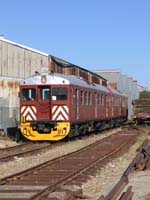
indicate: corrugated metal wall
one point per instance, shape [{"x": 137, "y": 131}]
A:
[
  {"x": 9, "y": 103},
  {"x": 16, "y": 61}
]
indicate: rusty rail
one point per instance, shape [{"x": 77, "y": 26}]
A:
[
  {"x": 9, "y": 153},
  {"x": 140, "y": 162},
  {"x": 127, "y": 195}
]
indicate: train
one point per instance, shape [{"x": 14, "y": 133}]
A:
[{"x": 55, "y": 106}]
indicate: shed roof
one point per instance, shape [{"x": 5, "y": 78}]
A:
[{"x": 64, "y": 63}]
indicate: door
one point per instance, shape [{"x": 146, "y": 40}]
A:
[{"x": 44, "y": 105}]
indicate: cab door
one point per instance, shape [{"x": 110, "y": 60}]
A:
[{"x": 44, "y": 103}]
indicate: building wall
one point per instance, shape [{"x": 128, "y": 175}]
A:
[
  {"x": 124, "y": 84},
  {"x": 18, "y": 61},
  {"x": 9, "y": 103}
]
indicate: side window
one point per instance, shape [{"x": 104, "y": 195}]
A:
[
  {"x": 45, "y": 93},
  {"x": 90, "y": 98},
  {"x": 99, "y": 99},
  {"x": 102, "y": 99},
  {"x": 59, "y": 93},
  {"x": 108, "y": 101},
  {"x": 28, "y": 94},
  {"x": 82, "y": 97},
  {"x": 86, "y": 98},
  {"x": 113, "y": 100}
]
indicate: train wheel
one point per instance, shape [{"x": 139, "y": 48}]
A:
[{"x": 82, "y": 129}]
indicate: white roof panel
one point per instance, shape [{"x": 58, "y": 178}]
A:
[{"x": 60, "y": 79}]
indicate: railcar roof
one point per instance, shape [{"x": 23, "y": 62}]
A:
[{"x": 60, "y": 79}]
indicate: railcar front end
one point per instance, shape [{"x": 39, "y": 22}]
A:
[{"x": 44, "y": 108}]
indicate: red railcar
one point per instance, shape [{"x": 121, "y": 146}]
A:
[{"x": 54, "y": 106}]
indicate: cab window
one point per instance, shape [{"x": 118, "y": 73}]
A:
[
  {"x": 59, "y": 93},
  {"x": 45, "y": 93},
  {"x": 28, "y": 94}
]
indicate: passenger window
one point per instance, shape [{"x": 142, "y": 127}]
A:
[
  {"x": 45, "y": 93},
  {"x": 59, "y": 93},
  {"x": 86, "y": 98},
  {"x": 28, "y": 94},
  {"x": 82, "y": 97},
  {"x": 90, "y": 98}
]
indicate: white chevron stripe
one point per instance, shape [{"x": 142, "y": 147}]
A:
[
  {"x": 33, "y": 108},
  {"x": 60, "y": 117},
  {"x": 54, "y": 108},
  {"x": 66, "y": 109},
  {"x": 29, "y": 113},
  {"x": 59, "y": 111},
  {"x": 65, "y": 114},
  {"x": 29, "y": 117},
  {"x": 56, "y": 113},
  {"x": 23, "y": 108}
]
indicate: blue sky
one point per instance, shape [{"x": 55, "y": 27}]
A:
[{"x": 94, "y": 34}]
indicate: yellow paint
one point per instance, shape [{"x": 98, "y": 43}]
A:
[{"x": 60, "y": 131}]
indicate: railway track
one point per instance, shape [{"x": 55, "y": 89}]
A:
[
  {"x": 26, "y": 149},
  {"x": 10, "y": 153},
  {"x": 41, "y": 181}
]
